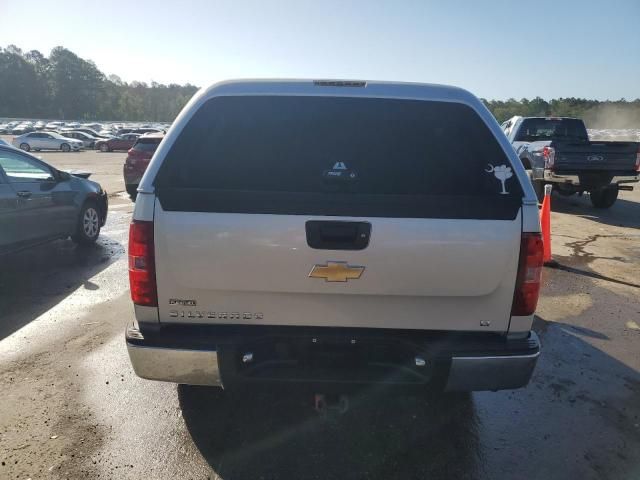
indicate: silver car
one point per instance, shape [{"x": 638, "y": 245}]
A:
[
  {"x": 88, "y": 141},
  {"x": 46, "y": 141}
]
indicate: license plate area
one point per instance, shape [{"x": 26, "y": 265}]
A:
[{"x": 332, "y": 358}]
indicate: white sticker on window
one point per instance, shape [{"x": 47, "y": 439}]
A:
[
  {"x": 502, "y": 173},
  {"x": 339, "y": 166}
]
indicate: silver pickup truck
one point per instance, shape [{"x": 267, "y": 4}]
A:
[
  {"x": 335, "y": 233},
  {"x": 558, "y": 151}
]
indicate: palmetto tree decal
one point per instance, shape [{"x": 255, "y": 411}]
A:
[{"x": 502, "y": 173}]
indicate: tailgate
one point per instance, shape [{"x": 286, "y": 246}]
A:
[
  {"x": 242, "y": 183},
  {"x": 418, "y": 273},
  {"x": 615, "y": 157}
]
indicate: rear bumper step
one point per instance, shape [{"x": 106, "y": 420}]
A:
[
  {"x": 590, "y": 179},
  {"x": 332, "y": 357}
]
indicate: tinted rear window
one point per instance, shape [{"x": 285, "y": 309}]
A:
[
  {"x": 147, "y": 144},
  {"x": 338, "y": 156},
  {"x": 542, "y": 129}
]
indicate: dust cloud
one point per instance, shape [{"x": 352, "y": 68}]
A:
[{"x": 614, "y": 121}]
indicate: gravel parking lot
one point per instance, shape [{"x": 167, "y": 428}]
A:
[{"x": 72, "y": 407}]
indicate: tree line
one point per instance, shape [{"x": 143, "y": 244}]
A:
[
  {"x": 596, "y": 114},
  {"x": 65, "y": 86}
]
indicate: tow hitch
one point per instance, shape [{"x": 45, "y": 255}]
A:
[{"x": 325, "y": 404}]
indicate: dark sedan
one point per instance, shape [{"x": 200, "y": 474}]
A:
[
  {"x": 121, "y": 142},
  {"x": 39, "y": 203}
]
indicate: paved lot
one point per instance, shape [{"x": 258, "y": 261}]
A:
[{"x": 72, "y": 407}]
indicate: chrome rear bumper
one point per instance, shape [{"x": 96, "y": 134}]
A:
[
  {"x": 193, "y": 367},
  {"x": 491, "y": 373},
  {"x": 198, "y": 366}
]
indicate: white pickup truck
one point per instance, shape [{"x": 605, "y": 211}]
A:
[{"x": 335, "y": 233}]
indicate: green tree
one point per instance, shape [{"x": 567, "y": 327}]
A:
[
  {"x": 77, "y": 85},
  {"x": 18, "y": 82}
]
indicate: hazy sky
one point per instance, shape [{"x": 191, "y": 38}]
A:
[{"x": 496, "y": 49}]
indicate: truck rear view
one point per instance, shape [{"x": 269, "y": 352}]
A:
[
  {"x": 335, "y": 233},
  {"x": 558, "y": 151}
]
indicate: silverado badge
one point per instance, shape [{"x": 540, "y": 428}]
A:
[{"x": 336, "y": 272}]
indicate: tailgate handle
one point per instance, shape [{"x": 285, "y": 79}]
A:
[{"x": 337, "y": 235}]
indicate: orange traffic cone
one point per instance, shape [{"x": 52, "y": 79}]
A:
[{"x": 545, "y": 224}]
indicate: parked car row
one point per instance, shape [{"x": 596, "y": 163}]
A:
[
  {"x": 96, "y": 129},
  {"x": 67, "y": 141}
]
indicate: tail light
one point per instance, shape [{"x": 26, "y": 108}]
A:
[
  {"x": 136, "y": 155},
  {"x": 142, "y": 265},
  {"x": 136, "y": 158},
  {"x": 549, "y": 154},
  {"x": 133, "y": 154},
  {"x": 638, "y": 160},
  {"x": 525, "y": 298}
]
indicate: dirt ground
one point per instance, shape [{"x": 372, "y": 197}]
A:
[{"x": 73, "y": 408}]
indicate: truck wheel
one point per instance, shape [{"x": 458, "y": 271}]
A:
[
  {"x": 538, "y": 187},
  {"x": 132, "y": 190},
  {"x": 563, "y": 190},
  {"x": 605, "y": 197}
]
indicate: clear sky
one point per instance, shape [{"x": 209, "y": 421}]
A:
[{"x": 497, "y": 49}]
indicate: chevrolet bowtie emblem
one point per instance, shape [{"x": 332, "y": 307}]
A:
[{"x": 336, "y": 272}]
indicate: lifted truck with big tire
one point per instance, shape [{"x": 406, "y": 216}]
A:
[
  {"x": 335, "y": 234},
  {"x": 557, "y": 151}
]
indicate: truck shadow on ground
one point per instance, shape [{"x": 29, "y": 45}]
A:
[
  {"x": 578, "y": 418},
  {"x": 575, "y": 420},
  {"x": 35, "y": 280},
  {"x": 561, "y": 264},
  {"x": 278, "y": 435},
  {"x": 624, "y": 213}
]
